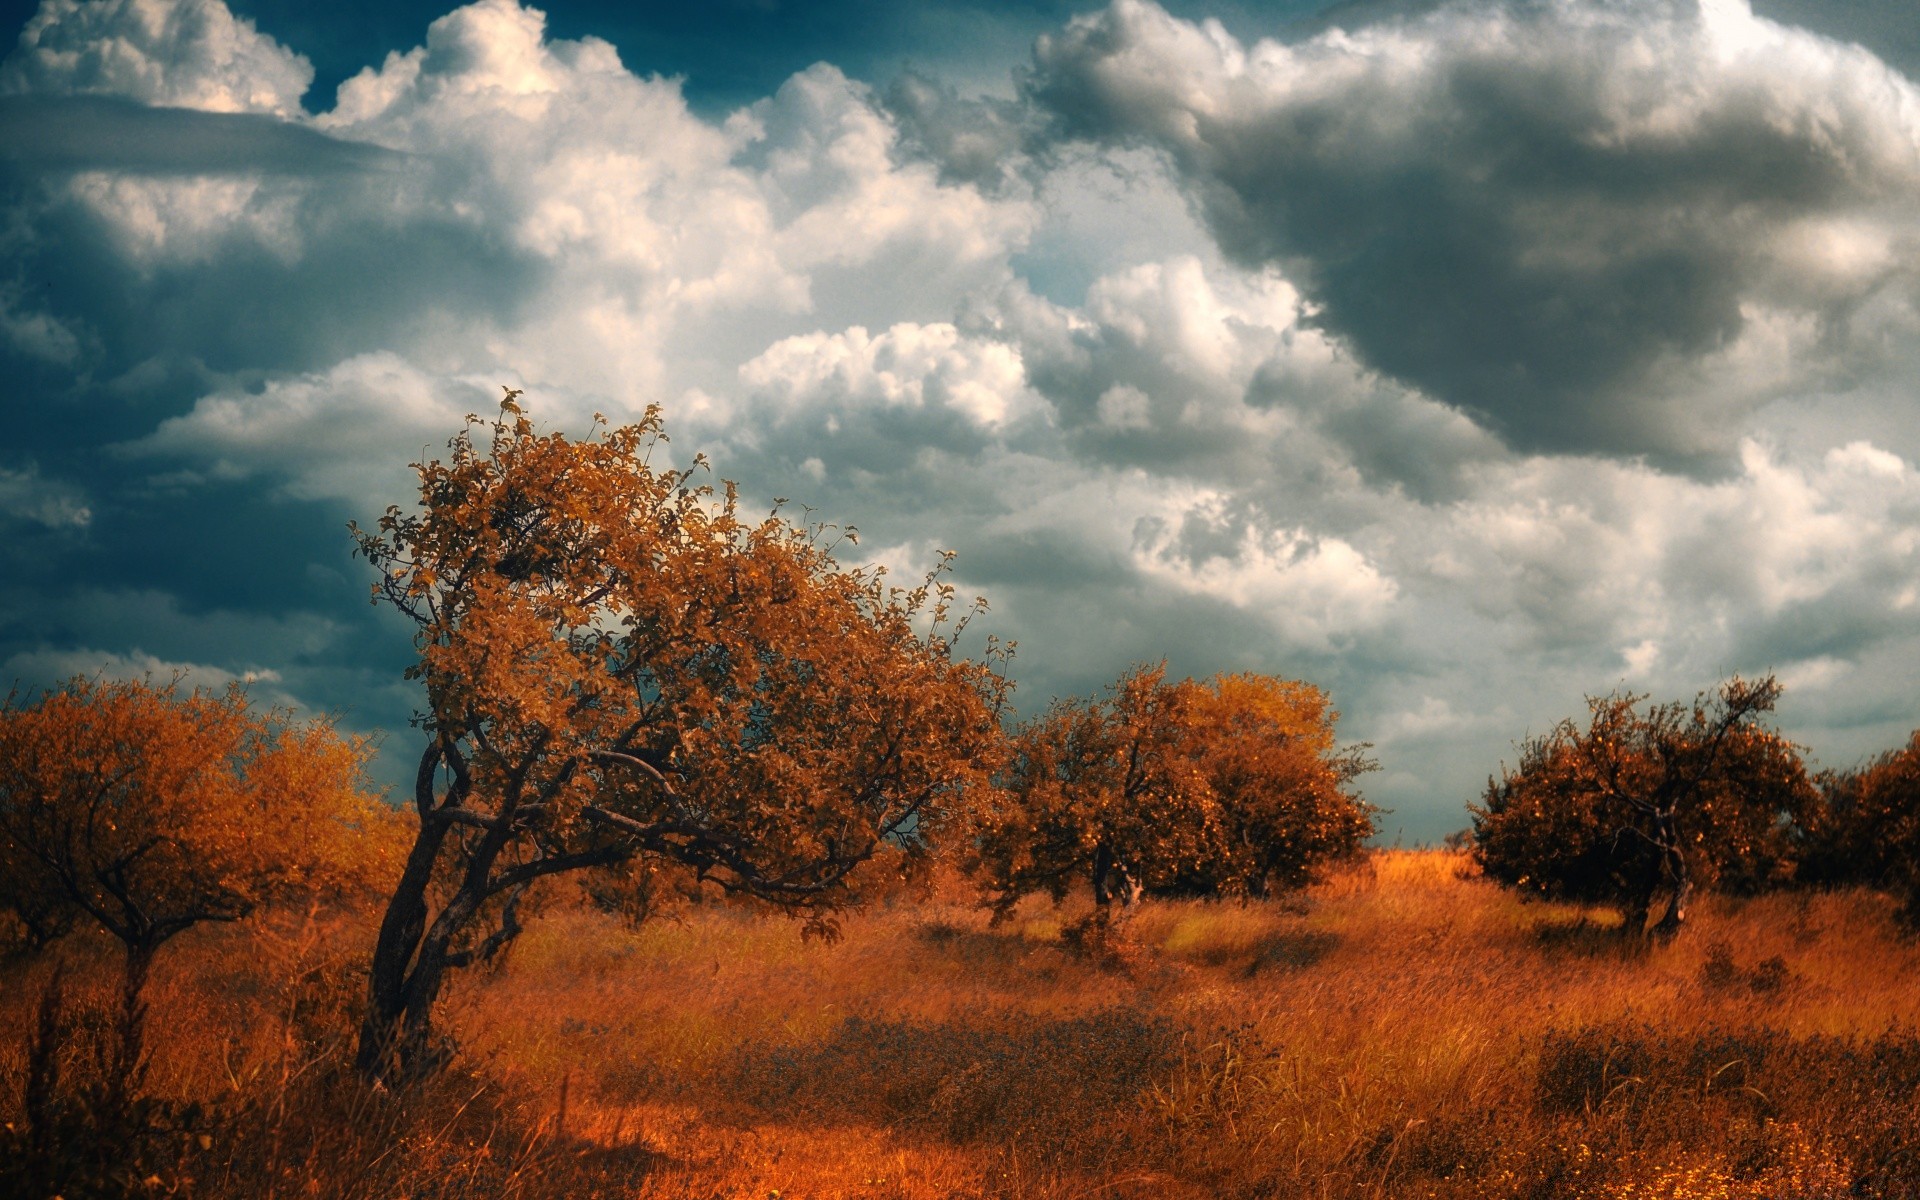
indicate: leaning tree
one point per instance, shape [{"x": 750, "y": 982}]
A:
[
  {"x": 619, "y": 665},
  {"x": 1645, "y": 803},
  {"x": 1233, "y": 786}
]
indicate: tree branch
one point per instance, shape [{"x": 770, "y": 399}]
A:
[{"x": 520, "y": 876}]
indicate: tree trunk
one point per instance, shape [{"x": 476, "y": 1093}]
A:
[
  {"x": 382, "y": 1053},
  {"x": 127, "y": 1069},
  {"x": 1680, "y": 879},
  {"x": 1102, "y": 868},
  {"x": 1634, "y": 910},
  {"x": 1676, "y": 914}
]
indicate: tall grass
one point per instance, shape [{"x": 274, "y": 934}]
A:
[{"x": 1401, "y": 1031}]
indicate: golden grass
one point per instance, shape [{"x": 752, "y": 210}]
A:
[{"x": 1401, "y": 1031}]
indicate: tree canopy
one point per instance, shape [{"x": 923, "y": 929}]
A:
[
  {"x": 617, "y": 663},
  {"x": 1866, "y": 829},
  {"x": 1230, "y": 786},
  {"x": 147, "y": 810},
  {"x": 1645, "y": 802}
]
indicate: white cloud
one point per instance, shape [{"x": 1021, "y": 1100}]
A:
[
  {"x": 37, "y": 334},
  {"x": 179, "y": 53},
  {"x": 909, "y": 365},
  {"x": 1317, "y": 591},
  {"x": 346, "y": 434},
  {"x": 1683, "y": 573},
  {"x": 564, "y": 219}
]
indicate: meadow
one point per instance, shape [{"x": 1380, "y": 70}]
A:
[{"x": 1402, "y": 1030}]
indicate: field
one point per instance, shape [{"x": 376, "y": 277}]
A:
[{"x": 1404, "y": 1030}]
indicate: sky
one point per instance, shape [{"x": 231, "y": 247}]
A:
[{"x": 1465, "y": 359}]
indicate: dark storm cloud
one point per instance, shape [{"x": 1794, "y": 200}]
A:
[
  {"x": 1588, "y": 225},
  {"x": 98, "y": 133}
]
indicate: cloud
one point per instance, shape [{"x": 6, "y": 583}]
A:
[
  {"x": 493, "y": 203},
  {"x": 95, "y": 133},
  {"x": 1596, "y": 227},
  {"x": 65, "y": 664},
  {"x": 978, "y": 141},
  {"x": 342, "y": 434},
  {"x": 1155, "y": 366},
  {"x": 931, "y": 375},
  {"x": 1316, "y": 591},
  {"x": 26, "y": 496},
  {"x": 1796, "y": 556},
  {"x": 1398, "y": 359},
  {"x": 173, "y": 53}
]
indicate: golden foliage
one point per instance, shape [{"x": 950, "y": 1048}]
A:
[
  {"x": 150, "y": 810},
  {"x": 619, "y": 664},
  {"x": 1229, "y": 786}
]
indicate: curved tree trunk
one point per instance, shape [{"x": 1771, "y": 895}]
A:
[
  {"x": 384, "y": 1053},
  {"x": 411, "y": 957}
]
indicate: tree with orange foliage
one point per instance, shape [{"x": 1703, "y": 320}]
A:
[
  {"x": 1866, "y": 830},
  {"x": 147, "y": 811},
  {"x": 617, "y": 664},
  {"x": 1282, "y": 784},
  {"x": 1638, "y": 804},
  {"x": 1229, "y": 787}
]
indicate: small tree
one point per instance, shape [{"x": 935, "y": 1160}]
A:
[
  {"x": 1234, "y": 786},
  {"x": 1866, "y": 830},
  {"x": 147, "y": 811},
  {"x": 1641, "y": 803},
  {"x": 618, "y": 665},
  {"x": 1287, "y": 809}
]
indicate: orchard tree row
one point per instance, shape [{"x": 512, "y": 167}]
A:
[{"x": 621, "y": 671}]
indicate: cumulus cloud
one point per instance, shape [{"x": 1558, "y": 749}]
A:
[
  {"x": 491, "y": 204},
  {"x": 931, "y": 371},
  {"x": 1597, "y": 227},
  {"x": 1154, "y": 367},
  {"x": 173, "y": 53},
  {"x": 344, "y": 434},
  {"x": 1788, "y": 559},
  {"x": 980, "y": 141},
  {"x": 1316, "y": 591}
]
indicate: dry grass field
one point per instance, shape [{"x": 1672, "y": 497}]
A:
[{"x": 1401, "y": 1031}]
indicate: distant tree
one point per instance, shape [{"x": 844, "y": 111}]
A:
[
  {"x": 617, "y": 665},
  {"x": 147, "y": 811},
  {"x": 1267, "y": 753},
  {"x": 1233, "y": 786},
  {"x": 1866, "y": 830},
  {"x": 1641, "y": 803}
]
